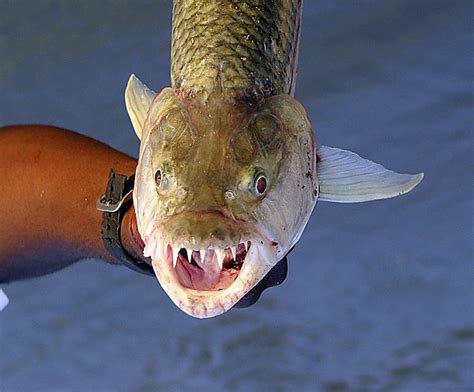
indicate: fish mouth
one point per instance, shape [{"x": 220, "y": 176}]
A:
[
  {"x": 210, "y": 269},
  {"x": 207, "y": 282}
]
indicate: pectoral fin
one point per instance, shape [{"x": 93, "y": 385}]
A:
[
  {"x": 138, "y": 99},
  {"x": 345, "y": 177}
]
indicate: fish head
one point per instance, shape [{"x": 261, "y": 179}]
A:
[
  {"x": 224, "y": 190},
  {"x": 221, "y": 194}
]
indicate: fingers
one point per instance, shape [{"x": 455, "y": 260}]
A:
[{"x": 274, "y": 278}]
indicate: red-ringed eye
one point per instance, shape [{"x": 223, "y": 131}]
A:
[{"x": 260, "y": 185}]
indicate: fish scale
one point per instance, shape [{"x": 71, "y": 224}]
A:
[{"x": 241, "y": 47}]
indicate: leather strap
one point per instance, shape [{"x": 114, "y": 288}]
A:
[{"x": 117, "y": 198}]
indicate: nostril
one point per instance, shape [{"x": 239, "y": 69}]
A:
[
  {"x": 158, "y": 177},
  {"x": 229, "y": 195}
]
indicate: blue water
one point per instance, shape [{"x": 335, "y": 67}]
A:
[{"x": 379, "y": 296}]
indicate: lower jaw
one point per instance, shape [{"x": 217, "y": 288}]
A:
[
  {"x": 201, "y": 303},
  {"x": 214, "y": 295}
]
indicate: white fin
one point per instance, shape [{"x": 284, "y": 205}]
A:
[
  {"x": 3, "y": 300},
  {"x": 345, "y": 177},
  {"x": 138, "y": 99}
]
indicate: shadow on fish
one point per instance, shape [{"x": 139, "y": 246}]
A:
[{"x": 229, "y": 171}]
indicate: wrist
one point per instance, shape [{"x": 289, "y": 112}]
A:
[
  {"x": 119, "y": 227},
  {"x": 130, "y": 236}
]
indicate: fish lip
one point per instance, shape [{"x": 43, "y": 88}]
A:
[
  {"x": 211, "y": 303},
  {"x": 244, "y": 229},
  {"x": 221, "y": 212},
  {"x": 211, "y": 210}
]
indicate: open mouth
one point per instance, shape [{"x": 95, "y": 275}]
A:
[
  {"x": 209, "y": 281},
  {"x": 209, "y": 269}
]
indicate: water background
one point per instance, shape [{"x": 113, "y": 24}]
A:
[{"x": 379, "y": 296}]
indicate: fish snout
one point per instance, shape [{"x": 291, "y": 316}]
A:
[{"x": 202, "y": 229}]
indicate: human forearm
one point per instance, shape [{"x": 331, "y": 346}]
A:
[{"x": 50, "y": 180}]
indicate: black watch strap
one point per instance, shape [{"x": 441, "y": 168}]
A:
[{"x": 117, "y": 197}]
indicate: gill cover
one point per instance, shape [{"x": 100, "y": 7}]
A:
[{"x": 283, "y": 132}]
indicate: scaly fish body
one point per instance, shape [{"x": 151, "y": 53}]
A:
[
  {"x": 227, "y": 175},
  {"x": 245, "y": 49}
]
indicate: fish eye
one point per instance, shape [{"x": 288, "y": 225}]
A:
[
  {"x": 260, "y": 185},
  {"x": 158, "y": 177},
  {"x": 164, "y": 177}
]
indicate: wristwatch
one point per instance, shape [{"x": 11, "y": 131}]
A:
[{"x": 117, "y": 197}]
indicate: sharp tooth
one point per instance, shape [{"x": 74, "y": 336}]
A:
[
  {"x": 233, "y": 250},
  {"x": 190, "y": 255},
  {"x": 202, "y": 253},
  {"x": 146, "y": 251},
  {"x": 220, "y": 257},
  {"x": 246, "y": 244},
  {"x": 175, "y": 254},
  {"x": 150, "y": 248}
]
